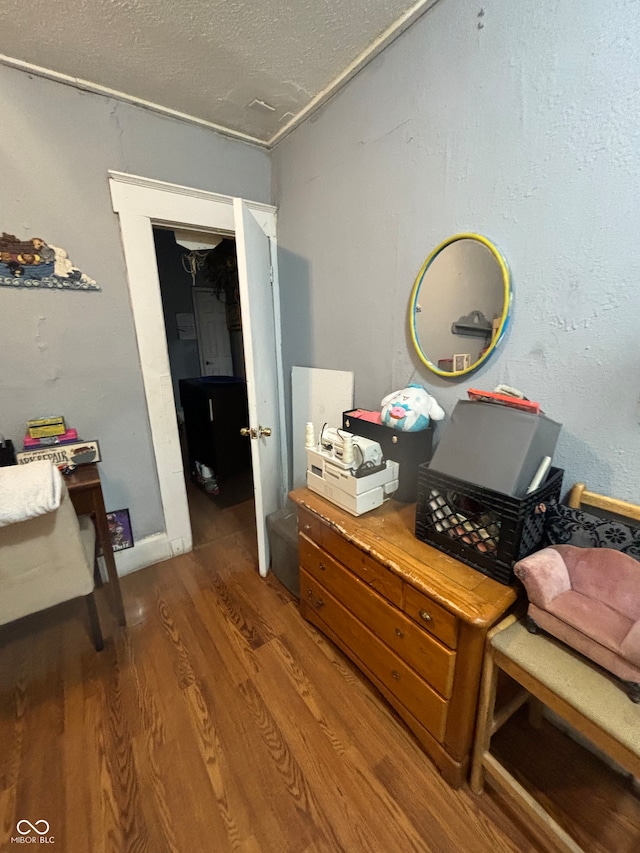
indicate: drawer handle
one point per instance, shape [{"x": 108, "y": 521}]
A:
[
  {"x": 399, "y": 633},
  {"x": 426, "y": 617},
  {"x": 323, "y": 568},
  {"x": 318, "y": 603},
  {"x": 395, "y": 674},
  {"x": 307, "y": 526}
]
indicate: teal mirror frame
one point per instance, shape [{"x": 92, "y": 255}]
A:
[{"x": 506, "y": 304}]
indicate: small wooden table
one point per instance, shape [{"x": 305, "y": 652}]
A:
[{"x": 85, "y": 491}]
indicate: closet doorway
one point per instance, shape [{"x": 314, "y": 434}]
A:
[{"x": 198, "y": 275}]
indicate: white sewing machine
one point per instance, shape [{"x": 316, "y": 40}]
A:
[{"x": 349, "y": 470}]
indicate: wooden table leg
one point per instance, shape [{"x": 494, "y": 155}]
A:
[
  {"x": 107, "y": 551},
  {"x": 486, "y": 705},
  {"x": 85, "y": 491},
  {"x": 102, "y": 528}
]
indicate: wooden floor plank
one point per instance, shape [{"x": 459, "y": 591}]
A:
[
  {"x": 171, "y": 760},
  {"x": 217, "y": 720},
  {"x": 220, "y": 721}
]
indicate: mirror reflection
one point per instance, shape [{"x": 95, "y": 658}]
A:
[{"x": 460, "y": 305}]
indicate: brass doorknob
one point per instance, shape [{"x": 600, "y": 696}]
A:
[{"x": 252, "y": 432}]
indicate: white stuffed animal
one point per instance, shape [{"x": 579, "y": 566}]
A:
[{"x": 410, "y": 409}]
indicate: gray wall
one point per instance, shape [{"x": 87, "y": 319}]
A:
[
  {"x": 522, "y": 125},
  {"x": 76, "y": 353}
]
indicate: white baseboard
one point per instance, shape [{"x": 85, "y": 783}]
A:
[{"x": 146, "y": 552}]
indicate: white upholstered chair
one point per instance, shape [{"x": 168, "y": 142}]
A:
[{"x": 47, "y": 560}]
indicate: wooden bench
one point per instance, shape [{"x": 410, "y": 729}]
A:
[{"x": 555, "y": 676}]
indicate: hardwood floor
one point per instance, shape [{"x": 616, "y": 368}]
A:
[
  {"x": 209, "y": 523},
  {"x": 220, "y": 721}
]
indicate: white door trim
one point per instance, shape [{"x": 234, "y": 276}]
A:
[
  {"x": 178, "y": 189},
  {"x": 140, "y": 203}
]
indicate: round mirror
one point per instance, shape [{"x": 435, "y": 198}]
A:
[{"x": 460, "y": 305}]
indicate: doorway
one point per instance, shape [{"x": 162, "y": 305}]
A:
[
  {"x": 140, "y": 203},
  {"x": 203, "y": 325}
]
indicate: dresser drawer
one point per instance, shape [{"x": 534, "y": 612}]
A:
[
  {"x": 418, "y": 697},
  {"x": 368, "y": 569},
  {"x": 365, "y": 567},
  {"x": 422, "y": 652},
  {"x": 431, "y": 616},
  {"x": 309, "y": 524}
]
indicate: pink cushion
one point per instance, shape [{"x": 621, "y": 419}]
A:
[{"x": 595, "y": 619}]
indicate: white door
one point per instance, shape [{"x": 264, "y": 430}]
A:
[
  {"x": 214, "y": 343},
  {"x": 259, "y": 336}
]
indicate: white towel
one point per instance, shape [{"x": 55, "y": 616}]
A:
[{"x": 28, "y": 490}]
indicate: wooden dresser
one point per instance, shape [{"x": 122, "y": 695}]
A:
[{"x": 411, "y": 618}]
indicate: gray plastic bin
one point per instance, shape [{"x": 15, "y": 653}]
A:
[{"x": 282, "y": 530}]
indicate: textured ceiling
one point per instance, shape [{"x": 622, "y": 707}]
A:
[{"x": 208, "y": 59}]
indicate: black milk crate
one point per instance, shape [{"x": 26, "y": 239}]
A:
[{"x": 487, "y": 530}]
